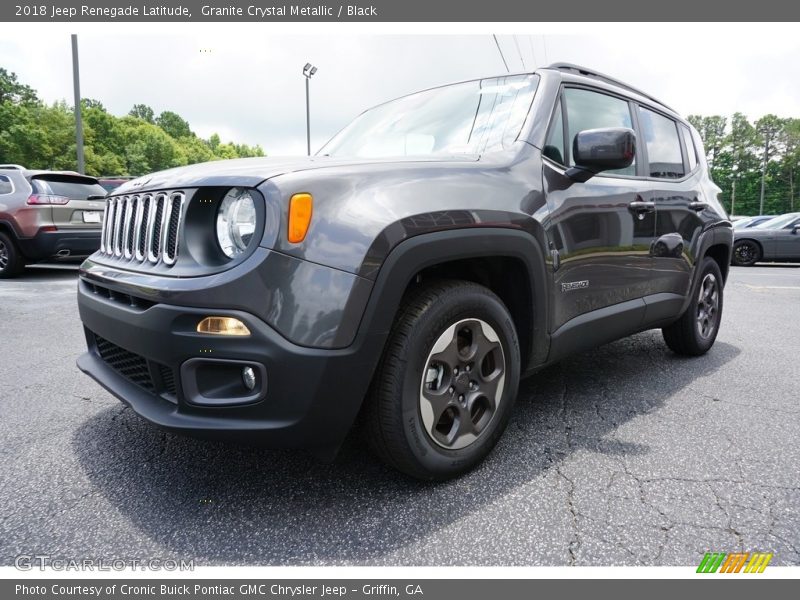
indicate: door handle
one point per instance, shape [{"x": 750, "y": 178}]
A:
[
  {"x": 698, "y": 206},
  {"x": 640, "y": 206}
]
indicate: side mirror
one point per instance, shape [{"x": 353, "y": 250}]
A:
[
  {"x": 795, "y": 229},
  {"x": 597, "y": 150}
]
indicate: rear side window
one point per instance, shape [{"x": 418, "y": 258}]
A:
[
  {"x": 75, "y": 189},
  {"x": 663, "y": 145},
  {"x": 592, "y": 110},
  {"x": 691, "y": 151},
  {"x": 6, "y": 187}
]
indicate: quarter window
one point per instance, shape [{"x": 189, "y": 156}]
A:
[
  {"x": 663, "y": 145},
  {"x": 592, "y": 110},
  {"x": 5, "y": 185},
  {"x": 554, "y": 147},
  {"x": 690, "y": 149}
]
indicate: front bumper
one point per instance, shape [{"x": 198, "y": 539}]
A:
[{"x": 310, "y": 399}]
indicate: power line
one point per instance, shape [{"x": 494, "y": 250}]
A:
[
  {"x": 500, "y": 50},
  {"x": 522, "y": 60},
  {"x": 533, "y": 52},
  {"x": 544, "y": 41}
]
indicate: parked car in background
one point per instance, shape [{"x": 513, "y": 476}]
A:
[
  {"x": 748, "y": 222},
  {"x": 47, "y": 215},
  {"x": 112, "y": 182},
  {"x": 774, "y": 240}
]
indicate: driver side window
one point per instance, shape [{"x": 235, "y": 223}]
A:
[{"x": 587, "y": 109}]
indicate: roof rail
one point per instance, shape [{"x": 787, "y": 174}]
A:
[
  {"x": 597, "y": 75},
  {"x": 15, "y": 167}
]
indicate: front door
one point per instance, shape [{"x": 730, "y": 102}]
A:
[{"x": 600, "y": 232}]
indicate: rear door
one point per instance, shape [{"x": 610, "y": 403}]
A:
[
  {"x": 676, "y": 190},
  {"x": 77, "y": 211},
  {"x": 600, "y": 231}
]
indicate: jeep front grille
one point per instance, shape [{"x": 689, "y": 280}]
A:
[{"x": 143, "y": 227}]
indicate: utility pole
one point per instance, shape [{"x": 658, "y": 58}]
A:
[
  {"x": 76, "y": 81},
  {"x": 764, "y": 169}
]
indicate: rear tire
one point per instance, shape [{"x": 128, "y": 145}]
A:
[
  {"x": 746, "y": 253},
  {"x": 11, "y": 261},
  {"x": 445, "y": 386},
  {"x": 695, "y": 332}
]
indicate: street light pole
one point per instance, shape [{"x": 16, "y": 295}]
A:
[
  {"x": 76, "y": 81},
  {"x": 308, "y": 71},
  {"x": 308, "y": 120}
]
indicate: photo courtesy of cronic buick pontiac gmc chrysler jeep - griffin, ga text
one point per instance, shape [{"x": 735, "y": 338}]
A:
[{"x": 402, "y": 281}]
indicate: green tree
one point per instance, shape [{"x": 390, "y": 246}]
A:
[
  {"x": 174, "y": 125},
  {"x": 143, "y": 112},
  {"x": 11, "y": 90}
]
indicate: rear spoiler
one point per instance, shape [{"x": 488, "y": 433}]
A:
[{"x": 65, "y": 176}]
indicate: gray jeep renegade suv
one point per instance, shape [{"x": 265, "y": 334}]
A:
[{"x": 437, "y": 249}]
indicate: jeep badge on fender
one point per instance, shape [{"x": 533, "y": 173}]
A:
[{"x": 408, "y": 271}]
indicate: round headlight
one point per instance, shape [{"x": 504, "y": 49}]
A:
[{"x": 236, "y": 222}]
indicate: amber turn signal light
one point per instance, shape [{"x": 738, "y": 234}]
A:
[
  {"x": 222, "y": 326},
  {"x": 301, "y": 206}
]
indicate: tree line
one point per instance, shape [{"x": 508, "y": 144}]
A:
[
  {"x": 740, "y": 152},
  {"x": 39, "y": 135}
]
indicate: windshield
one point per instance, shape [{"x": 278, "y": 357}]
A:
[
  {"x": 778, "y": 222},
  {"x": 742, "y": 223},
  {"x": 465, "y": 118}
]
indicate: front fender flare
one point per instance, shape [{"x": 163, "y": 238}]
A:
[{"x": 426, "y": 250}]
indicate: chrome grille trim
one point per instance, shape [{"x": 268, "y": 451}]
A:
[
  {"x": 118, "y": 210},
  {"x": 174, "y": 217},
  {"x": 144, "y": 228},
  {"x": 127, "y": 228}
]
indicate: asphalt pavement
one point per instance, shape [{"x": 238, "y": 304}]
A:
[{"x": 624, "y": 455}]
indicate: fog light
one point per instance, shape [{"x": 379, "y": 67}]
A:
[
  {"x": 222, "y": 326},
  {"x": 249, "y": 378}
]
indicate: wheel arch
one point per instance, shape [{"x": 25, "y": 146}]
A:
[{"x": 475, "y": 254}]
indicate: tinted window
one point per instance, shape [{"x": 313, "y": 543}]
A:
[
  {"x": 663, "y": 146},
  {"x": 64, "y": 187},
  {"x": 690, "y": 149},
  {"x": 5, "y": 185},
  {"x": 592, "y": 110}
]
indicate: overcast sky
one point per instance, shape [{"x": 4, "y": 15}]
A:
[{"x": 250, "y": 88}]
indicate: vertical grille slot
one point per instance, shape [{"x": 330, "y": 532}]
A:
[
  {"x": 130, "y": 215},
  {"x": 141, "y": 244},
  {"x": 154, "y": 249},
  {"x": 108, "y": 219},
  {"x": 172, "y": 229},
  {"x": 118, "y": 220}
]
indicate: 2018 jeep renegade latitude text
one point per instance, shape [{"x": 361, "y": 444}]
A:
[{"x": 439, "y": 248}]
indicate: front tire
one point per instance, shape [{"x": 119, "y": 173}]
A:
[
  {"x": 746, "y": 253},
  {"x": 11, "y": 262},
  {"x": 443, "y": 391},
  {"x": 695, "y": 332}
]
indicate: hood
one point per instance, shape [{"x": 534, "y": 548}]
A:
[{"x": 250, "y": 172}]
